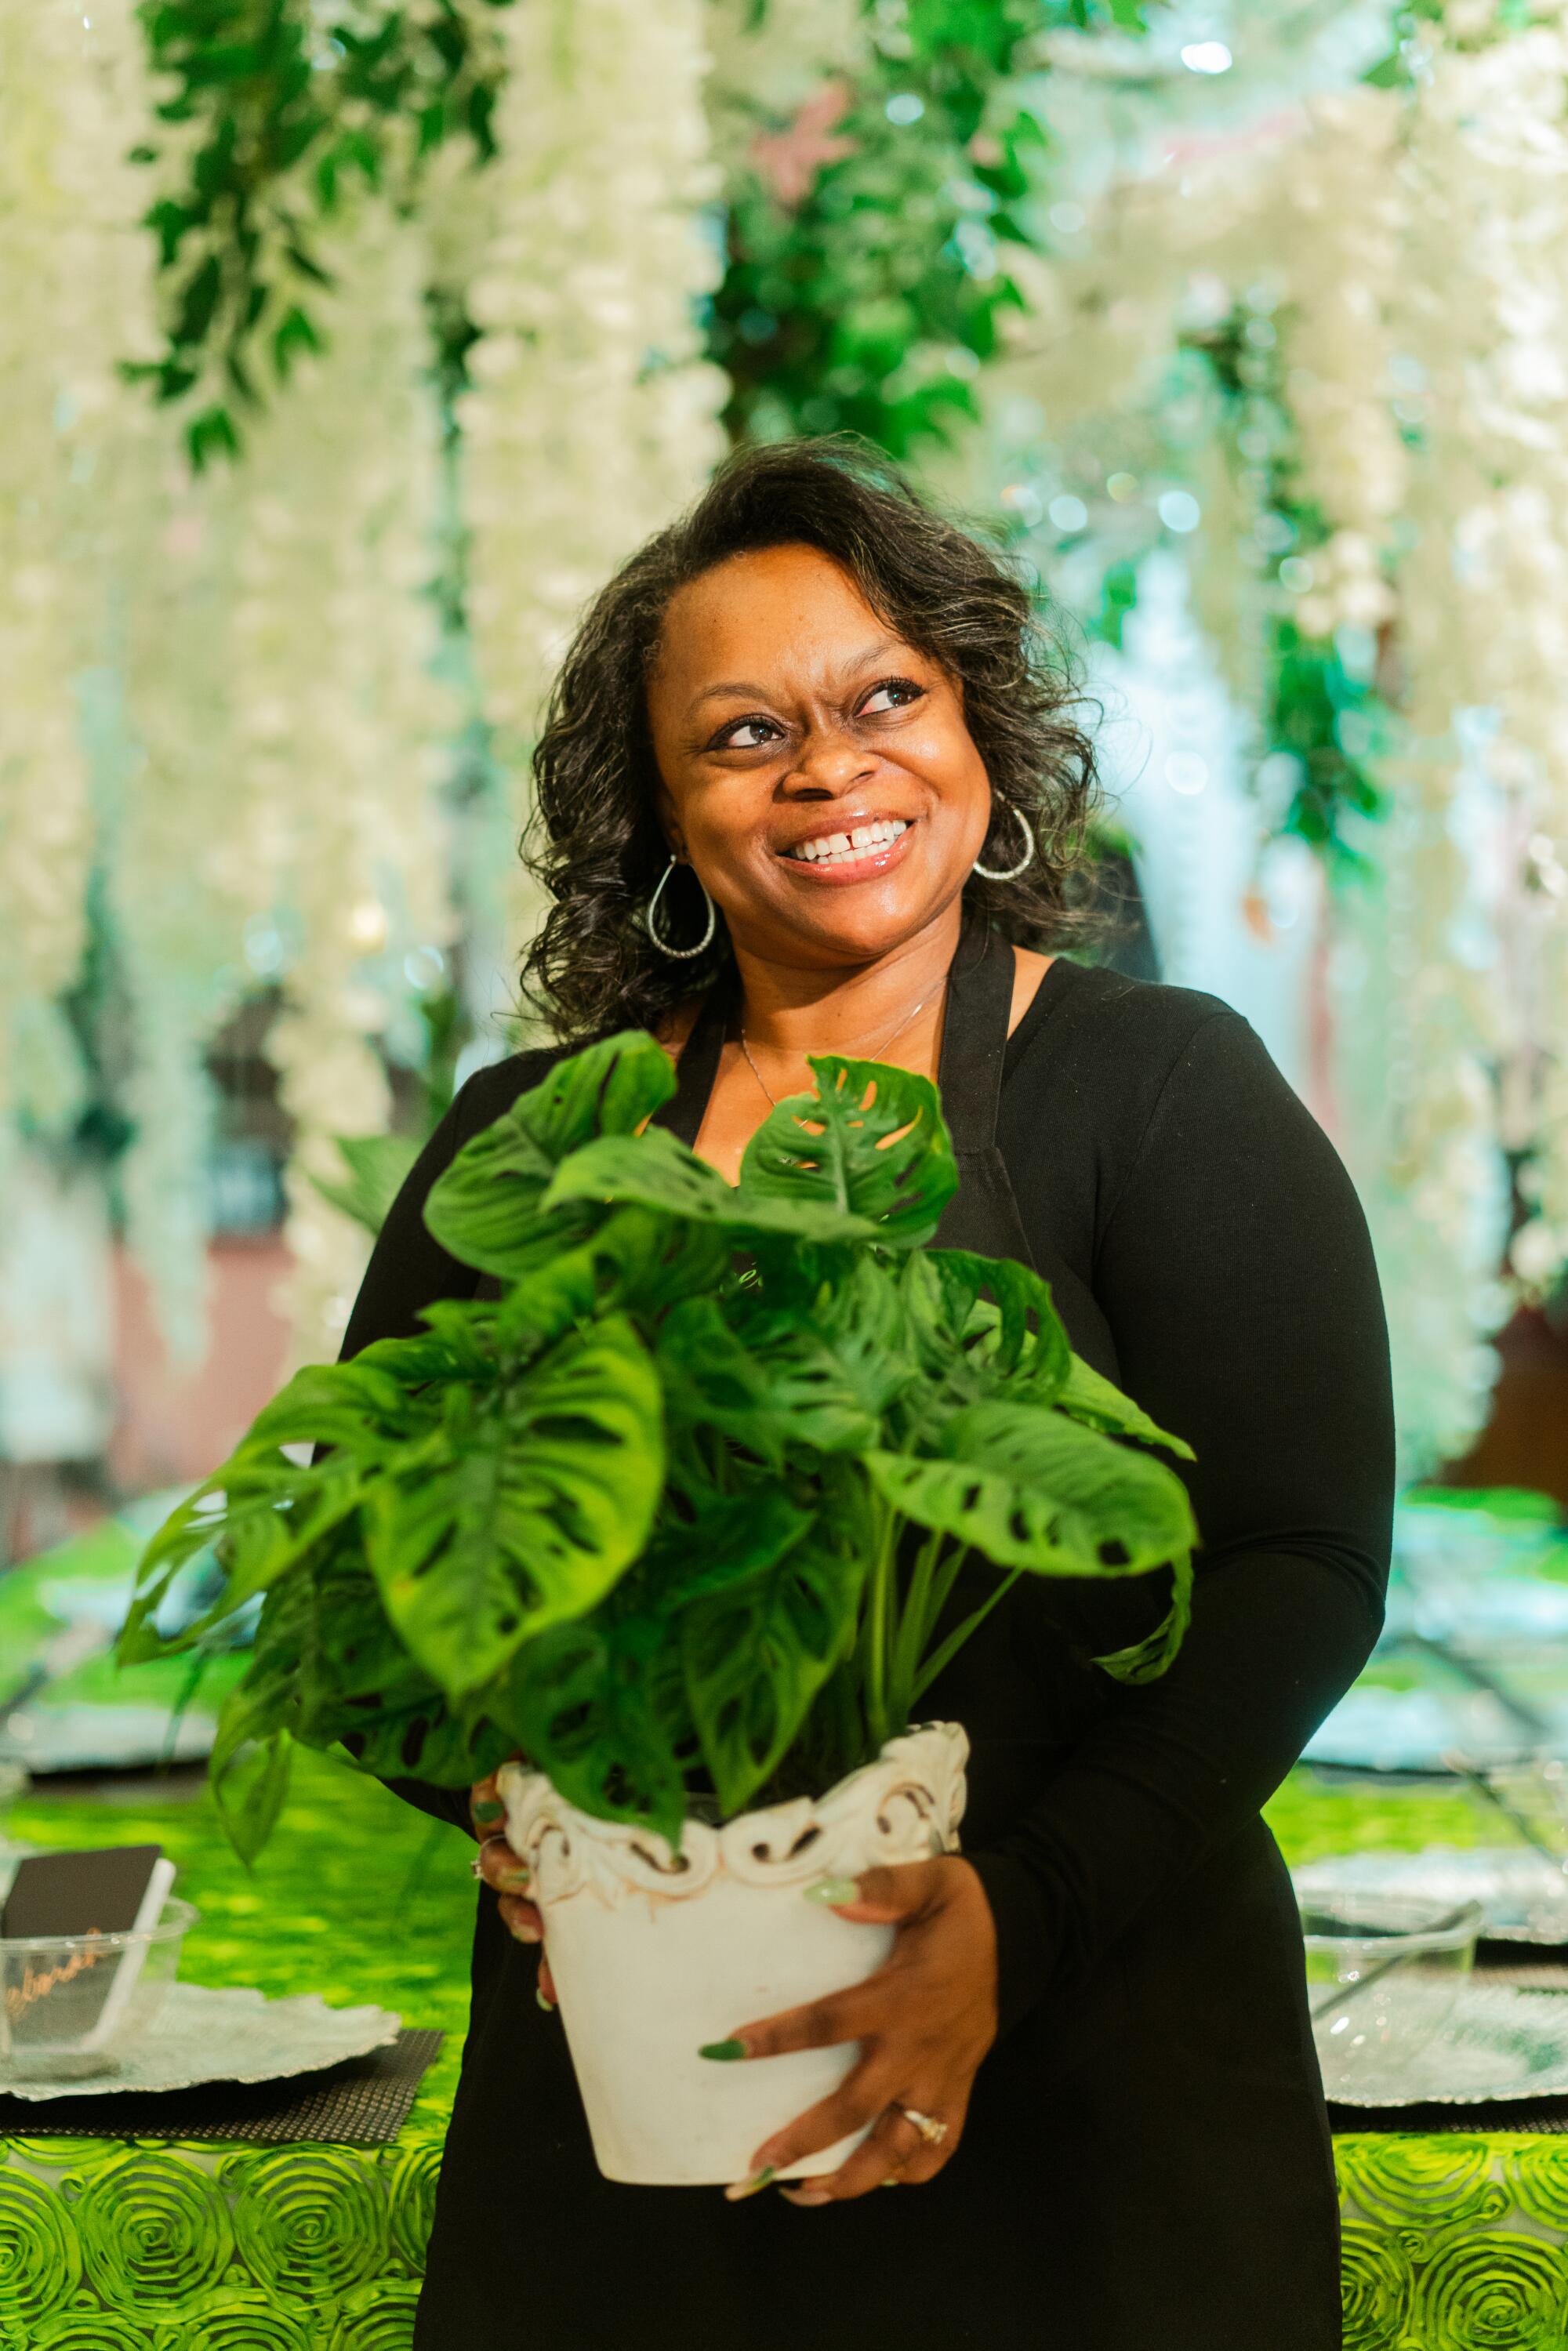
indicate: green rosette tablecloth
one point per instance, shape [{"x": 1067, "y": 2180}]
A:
[
  {"x": 146, "y": 2245},
  {"x": 1452, "y": 2242}
]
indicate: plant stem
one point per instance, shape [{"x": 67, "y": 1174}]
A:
[
  {"x": 956, "y": 1638},
  {"x": 941, "y": 1588},
  {"x": 915, "y": 1623},
  {"x": 878, "y": 1615}
]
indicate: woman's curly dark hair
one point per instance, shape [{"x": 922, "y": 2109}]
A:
[{"x": 594, "y": 840}]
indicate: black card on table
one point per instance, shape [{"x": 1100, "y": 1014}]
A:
[
  {"x": 78, "y": 1892},
  {"x": 70, "y": 2007}
]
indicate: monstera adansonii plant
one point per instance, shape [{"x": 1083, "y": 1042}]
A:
[{"x": 685, "y": 1509}]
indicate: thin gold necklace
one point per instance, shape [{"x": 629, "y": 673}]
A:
[{"x": 876, "y": 1053}]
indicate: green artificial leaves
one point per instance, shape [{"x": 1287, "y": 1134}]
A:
[{"x": 277, "y": 111}]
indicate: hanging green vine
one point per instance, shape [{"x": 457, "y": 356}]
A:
[
  {"x": 872, "y": 303},
  {"x": 276, "y": 108},
  {"x": 1330, "y": 709}
]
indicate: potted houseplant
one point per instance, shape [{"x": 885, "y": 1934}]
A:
[{"x": 677, "y": 1523}]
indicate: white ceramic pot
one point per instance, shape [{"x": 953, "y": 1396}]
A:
[{"x": 656, "y": 1954}]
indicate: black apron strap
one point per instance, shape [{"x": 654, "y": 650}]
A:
[
  {"x": 974, "y": 1034},
  {"x": 698, "y": 1065},
  {"x": 983, "y": 1215}
]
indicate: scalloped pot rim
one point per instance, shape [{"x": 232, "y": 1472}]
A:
[
  {"x": 656, "y": 1954},
  {"x": 885, "y": 1812}
]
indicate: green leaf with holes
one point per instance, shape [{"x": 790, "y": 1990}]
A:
[
  {"x": 870, "y": 1147},
  {"x": 248, "y": 1771},
  {"x": 594, "y": 1705},
  {"x": 1145, "y": 1660},
  {"x": 1091, "y": 1398},
  {"x": 837, "y": 1364},
  {"x": 756, "y": 1652},
  {"x": 657, "y": 1171},
  {"x": 534, "y": 1504},
  {"x": 1024, "y": 1336},
  {"x": 484, "y": 1208},
  {"x": 653, "y": 1171},
  {"x": 1029, "y": 1488}
]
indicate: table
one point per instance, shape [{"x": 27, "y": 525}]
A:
[{"x": 1452, "y": 2242}]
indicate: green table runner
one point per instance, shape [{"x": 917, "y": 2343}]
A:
[{"x": 1453, "y": 2242}]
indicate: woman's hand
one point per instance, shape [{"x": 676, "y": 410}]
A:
[
  {"x": 924, "y": 2023},
  {"x": 509, "y": 1875}
]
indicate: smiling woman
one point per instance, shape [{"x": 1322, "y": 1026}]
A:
[
  {"x": 809, "y": 638},
  {"x": 798, "y": 738}
]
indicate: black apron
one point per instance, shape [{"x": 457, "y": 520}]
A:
[{"x": 1146, "y": 2164}]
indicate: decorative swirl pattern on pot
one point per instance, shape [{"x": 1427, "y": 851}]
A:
[{"x": 906, "y": 1806}]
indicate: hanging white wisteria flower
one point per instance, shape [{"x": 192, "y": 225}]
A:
[
  {"x": 1395, "y": 259},
  {"x": 181, "y": 883},
  {"x": 338, "y": 724},
  {"x": 1482, "y": 326},
  {"x": 1422, "y": 1018},
  {"x": 1336, "y": 225},
  {"x": 1419, "y": 1026},
  {"x": 593, "y": 416},
  {"x": 73, "y": 97}
]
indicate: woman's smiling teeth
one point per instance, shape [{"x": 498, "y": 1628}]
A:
[{"x": 839, "y": 848}]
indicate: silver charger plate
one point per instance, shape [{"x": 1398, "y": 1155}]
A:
[
  {"x": 75, "y": 1737},
  {"x": 1508, "y": 1881},
  {"x": 206, "y": 2034},
  {"x": 1378, "y": 1729},
  {"x": 1498, "y": 2043}
]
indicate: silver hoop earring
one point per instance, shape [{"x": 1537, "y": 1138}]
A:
[
  {"x": 1025, "y": 862},
  {"x": 683, "y": 954}
]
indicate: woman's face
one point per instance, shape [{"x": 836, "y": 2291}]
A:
[{"x": 816, "y": 769}]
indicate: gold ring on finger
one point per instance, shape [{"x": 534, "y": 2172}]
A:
[{"x": 932, "y": 2131}]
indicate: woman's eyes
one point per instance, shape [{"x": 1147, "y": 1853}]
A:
[
  {"x": 752, "y": 734},
  {"x": 734, "y": 737},
  {"x": 905, "y": 687}
]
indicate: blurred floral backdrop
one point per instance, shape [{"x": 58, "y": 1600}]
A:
[{"x": 345, "y": 347}]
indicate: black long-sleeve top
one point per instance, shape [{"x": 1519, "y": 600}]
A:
[{"x": 1206, "y": 1251}]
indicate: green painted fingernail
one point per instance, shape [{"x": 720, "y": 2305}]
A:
[
  {"x": 723, "y": 2050},
  {"x": 487, "y": 1810},
  {"x": 518, "y": 1880},
  {"x": 544, "y": 2000},
  {"x": 829, "y": 1891},
  {"x": 752, "y": 2186}
]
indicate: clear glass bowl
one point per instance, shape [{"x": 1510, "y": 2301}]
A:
[
  {"x": 72, "y": 2005},
  {"x": 1524, "y": 1797},
  {"x": 1383, "y": 1972},
  {"x": 10, "y": 1854}
]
